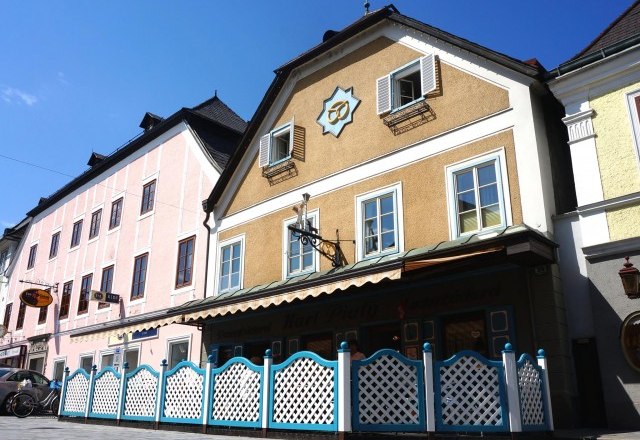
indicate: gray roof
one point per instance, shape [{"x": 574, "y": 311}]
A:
[{"x": 216, "y": 110}]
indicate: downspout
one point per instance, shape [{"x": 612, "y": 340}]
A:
[{"x": 206, "y": 262}]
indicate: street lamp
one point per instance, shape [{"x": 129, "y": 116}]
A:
[{"x": 630, "y": 277}]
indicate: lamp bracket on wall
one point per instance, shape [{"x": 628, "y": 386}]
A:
[{"x": 53, "y": 286}]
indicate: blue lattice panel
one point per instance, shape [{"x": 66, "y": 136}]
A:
[
  {"x": 106, "y": 392},
  {"x": 388, "y": 393},
  {"x": 237, "y": 394},
  {"x": 76, "y": 394},
  {"x": 470, "y": 394},
  {"x": 183, "y": 398},
  {"x": 304, "y": 390},
  {"x": 531, "y": 393}
]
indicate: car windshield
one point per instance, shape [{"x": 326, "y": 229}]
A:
[{"x": 4, "y": 371}]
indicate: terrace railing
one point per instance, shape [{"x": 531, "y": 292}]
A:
[{"x": 384, "y": 392}]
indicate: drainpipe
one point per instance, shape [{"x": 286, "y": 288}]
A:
[{"x": 206, "y": 263}]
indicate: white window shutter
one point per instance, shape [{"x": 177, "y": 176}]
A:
[
  {"x": 384, "y": 94},
  {"x": 291, "y": 129},
  {"x": 428, "y": 73},
  {"x": 265, "y": 146}
]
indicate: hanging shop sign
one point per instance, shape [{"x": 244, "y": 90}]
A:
[
  {"x": 337, "y": 111},
  {"x": 104, "y": 297},
  {"x": 36, "y": 298}
]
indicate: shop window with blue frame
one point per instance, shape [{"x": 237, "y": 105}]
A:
[
  {"x": 379, "y": 223},
  {"x": 406, "y": 85},
  {"x": 230, "y": 270},
  {"x": 478, "y": 196}
]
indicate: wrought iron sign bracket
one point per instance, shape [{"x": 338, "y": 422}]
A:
[
  {"x": 53, "y": 286},
  {"x": 327, "y": 248}
]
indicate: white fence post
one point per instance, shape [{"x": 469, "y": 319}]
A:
[
  {"x": 121, "y": 395},
  {"x": 163, "y": 368},
  {"x": 90, "y": 395},
  {"x": 63, "y": 391},
  {"x": 344, "y": 389},
  {"x": 266, "y": 391},
  {"x": 513, "y": 394},
  {"x": 542, "y": 363},
  {"x": 207, "y": 393},
  {"x": 427, "y": 360}
]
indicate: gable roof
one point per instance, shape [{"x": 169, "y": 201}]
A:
[
  {"x": 625, "y": 26},
  {"x": 388, "y": 12},
  {"x": 213, "y": 123}
]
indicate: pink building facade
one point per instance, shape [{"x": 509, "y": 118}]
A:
[{"x": 132, "y": 225}]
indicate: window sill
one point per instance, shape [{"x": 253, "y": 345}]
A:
[
  {"x": 53, "y": 258},
  {"x": 63, "y": 320},
  {"x": 402, "y": 107},
  {"x": 146, "y": 214},
  {"x": 409, "y": 116},
  {"x": 113, "y": 230},
  {"x": 183, "y": 289},
  {"x": 93, "y": 239},
  {"x": 136, "y": 301},
  {"x": 483, "y": 234},
  {"x": 102, "y": 311},
  {"x": 74, "y": 248},
  {"x": 84, "y": 315},
  {"x": 379, "y": 255}
]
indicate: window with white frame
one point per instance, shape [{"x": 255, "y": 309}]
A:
[
  {"x": 406, "y": 85},
  {"x": 131, "y": 357},
  {"x": 58, "y": 369},
  {"x": 86, "y": 362},
  {"x": 299, "y": 258},
  {"x": 633, "y": 100},
  {"x": 230, "y": 270},
  {"x": 379, "y": 217},
  {"x": 178, "y": 351},
  {"x": 277, "y": 145},
  {"x": 478, "y": 195}
]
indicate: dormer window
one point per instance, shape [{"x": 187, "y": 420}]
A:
[
  {"x": 276, "y": 146},
  {"x": 281, "y": 144},
  {"x": 406, "y": 85}
]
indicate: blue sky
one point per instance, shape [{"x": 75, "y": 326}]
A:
[{"x": 77, "y": 76}]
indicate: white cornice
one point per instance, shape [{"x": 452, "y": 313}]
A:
[
  {"x": 616, "y": 202},
  {"x": 611, "y": 248},
  {"x": 598, "y": 78}
]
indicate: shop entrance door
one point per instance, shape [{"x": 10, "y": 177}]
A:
[
  {"x": 464, "y": 331},
  {"x": 36, "y": 364},
  {"x": 377, "y": 337}
]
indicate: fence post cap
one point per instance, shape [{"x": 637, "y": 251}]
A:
[
  {"x": 508, "y": 348},
  {"x": 66, "y": 369},
  {"x": 268, "y": 354},
  {"x": 344, "y": 346},
  {"x": 163, "y": 363},
  {"x": 211, "y": 358},
  {"x": 426, "y": 347},
  {"x": 94, "y": 368},
  {"x": 125, "y": 365},
  {"x": 541, "y": 353}
]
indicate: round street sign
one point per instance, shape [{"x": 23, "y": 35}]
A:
[{"x": 36, "y": 297}]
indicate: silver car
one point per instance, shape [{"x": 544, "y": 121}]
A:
[{"x": 10, "y": 379}]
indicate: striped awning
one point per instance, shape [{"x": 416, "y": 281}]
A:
[
  {"x": 287, "y": 297},
  {"x": 127, "y": 328}
]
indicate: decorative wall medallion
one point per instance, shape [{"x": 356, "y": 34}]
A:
[{"x": 338, "y": 111}]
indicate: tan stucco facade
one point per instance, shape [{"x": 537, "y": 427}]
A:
[
  {"x": 424, "y": 205},
  {"x": 462, "y": 98},
  {"x": 617, "y": 157},
  {"x": 614, "y": 143}
]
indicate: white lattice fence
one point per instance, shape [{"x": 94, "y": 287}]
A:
[
  {"x": 106, "y": 391},
  {"x": 304, "y": 392},
  {"x": 469, "y": 394},
  {"x": 183, "y": 394},
  {"x": 530, "y": 388},
  {"x": 236, "y": 394},
  {"x": 76, "y": 393},
  {"x": 141, "y": 389},
  {"x": 388, "y": 387}
]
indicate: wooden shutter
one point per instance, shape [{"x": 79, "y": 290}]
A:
[
  {"x": 265, "y": 147},
  {"x": 384, "y": 94},
  {"x": 291, "y": 135},
  {"x": 428, "y": 73},
  {"x": 298, "y": 143}
]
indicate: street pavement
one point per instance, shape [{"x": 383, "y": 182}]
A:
[{"x": 49, "y": 428}]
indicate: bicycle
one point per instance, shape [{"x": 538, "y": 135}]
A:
[{"x": 23, "y": 404}]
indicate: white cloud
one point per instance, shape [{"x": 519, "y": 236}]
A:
[
  {"x": 62, "y": 79},
  {"x": 11, "y": 94}
]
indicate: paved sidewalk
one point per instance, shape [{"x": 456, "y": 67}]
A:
[{"x": 48, "y": 428}]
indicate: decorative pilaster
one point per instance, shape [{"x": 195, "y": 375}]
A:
[
  {"x": 579, "y": 126},
  {"x": 427, "y": 361},
  {"x": 513, "y": 394}
]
